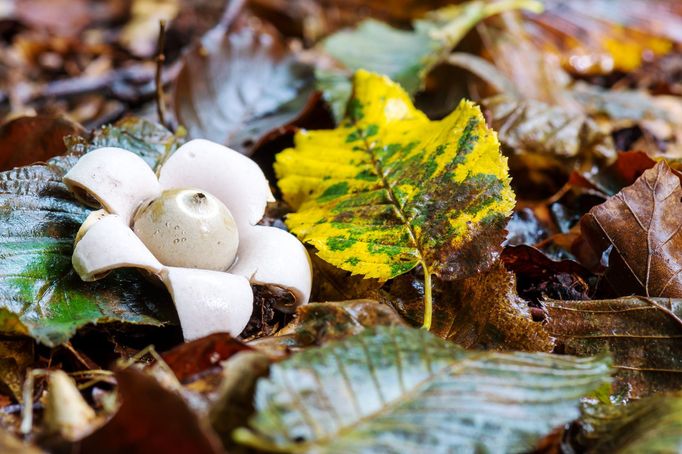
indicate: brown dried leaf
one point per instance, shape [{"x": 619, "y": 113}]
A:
[
  {"x": 640, "y": 229},
  {"x": 482, "y": 312},
  {"x": 642, "y": 334}
]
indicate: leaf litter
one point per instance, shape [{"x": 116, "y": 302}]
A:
[{"x": 502, "y": 173}]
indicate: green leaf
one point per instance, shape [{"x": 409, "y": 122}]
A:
[
  {"x": 652, "y": 425},
  {"x": 40, "y": 294},
  {"x": 389, "y": 189},
  {"x": 397, "y": 389},
  {"x": 404, "y": 56}
]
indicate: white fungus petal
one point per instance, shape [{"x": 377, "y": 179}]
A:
[
  {"x": 209, "y": 301},
  {"x": 118, "y": 179},
  {"x": 109, "y": 244},
  {"x": 268, "y": 255},
  {"x": 233, "y": 178}
]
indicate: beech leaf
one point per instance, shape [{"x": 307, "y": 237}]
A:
[
  {"x": 389, "y": 189},
  {"x": 642, "y": 229},
  {"x": 642, "y": 334},
  {"x": 394, "y": 389}
]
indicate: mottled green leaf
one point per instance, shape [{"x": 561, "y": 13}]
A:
[
  {"x": 389, "y": 189},
  {"x": 394, "y": 389},
  {"x": 406, "y": 56},
  {"x": 40, "y": 294}
]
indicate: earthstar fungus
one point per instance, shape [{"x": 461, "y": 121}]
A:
[{"x": 193, "y": 227}]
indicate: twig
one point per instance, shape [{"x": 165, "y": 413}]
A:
[{"x": 158, "y": 80}]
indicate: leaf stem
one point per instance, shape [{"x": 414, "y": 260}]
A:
[{"x": 428, "y": 299}]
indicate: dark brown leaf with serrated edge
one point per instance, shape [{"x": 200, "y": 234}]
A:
[
  {"x": 150, "y": 419},
  {"x": 482, "y": 311},
  {"x": 642, "y": 334},
  {"x": 642, "y": 227},
  {"x": 240, "y": 84},
  {"x": 26, "y": 140}
]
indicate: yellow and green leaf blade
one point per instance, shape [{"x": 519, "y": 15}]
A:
[{"x": 389, "y": 189}]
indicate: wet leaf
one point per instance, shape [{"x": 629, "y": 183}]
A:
[
  {"x": 652, "y": 425},
  {"x": 389, "y": 189},
  {"x": 404, "y": 56},
  {"x": 405, "y": 390},
  {"x": 482, "y": 311},
  {"x": 26, "y": 140},
  {"x": 642, "y": 334},
  {"x": 641, "y": 232},
  {"x": 150, "y": 419},
  {"x": 239, "y": 84},
  {"x": 40, "y": 294}
]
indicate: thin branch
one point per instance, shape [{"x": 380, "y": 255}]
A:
[{"x": 158, "y": 80}]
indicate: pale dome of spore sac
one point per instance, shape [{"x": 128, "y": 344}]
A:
[{"x": 188, "y": 228}]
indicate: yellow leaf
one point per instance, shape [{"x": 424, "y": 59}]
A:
[{"x": 389, "y": 189}]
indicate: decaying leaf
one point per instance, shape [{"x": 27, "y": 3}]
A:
[
  {"x": 531, "y": 126},
  {"x": 642, "y": 334},
  {"x": 652, "y": 425},
  {"x": 389, "y": 189},
  {"x": 40, "y": 294},
  {"x": 640, "y": 231},
  {"x": 482, "y": 311},
  {"x": 405, "y": 390},
  {"x": 238, "y": 85}
]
